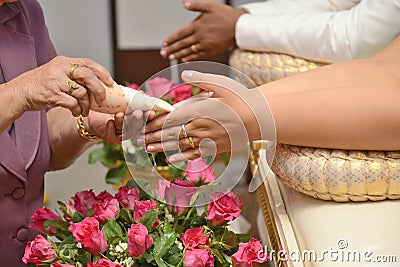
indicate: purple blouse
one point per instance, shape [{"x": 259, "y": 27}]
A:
[{"x": 24, "y": 147}]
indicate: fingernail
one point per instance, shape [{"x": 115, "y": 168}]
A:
[
  {"x": 164, "y": 44},
  {"x": 140, "y": 141},
  {"x": 187, "y": 4},
  {"x": 187, "y": 74},
  {"x": 163, "y": 53},
  {"x": 171, "y": 57},
  {"x": 151, "y": 148}
]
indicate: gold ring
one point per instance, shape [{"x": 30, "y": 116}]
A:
[
  {"x": 194, "y": 48},
  {"x": 72, "y": 69},
  {"x": 191, "y": 144},
  {"x": 72, "y": 86}
]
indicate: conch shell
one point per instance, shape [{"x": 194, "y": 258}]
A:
[{"x": 119, "y": 98}]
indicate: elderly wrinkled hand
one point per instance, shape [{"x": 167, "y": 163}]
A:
[
  {"x": 65, "y": 82},
  {"x": 211, "y": 33},
  {"x": 231, "y": 116}
]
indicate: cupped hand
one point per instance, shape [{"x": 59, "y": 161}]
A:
[
  {"x": 48, "y": 85},
  {"x": 231, "y": 116},
  {"x": 112, "y": 128},
  {"x": 211, "y": 33}
]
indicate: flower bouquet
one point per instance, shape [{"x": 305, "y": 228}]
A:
[{"x": 133, "y": 228}]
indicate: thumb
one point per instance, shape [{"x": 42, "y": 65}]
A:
[
  {"x": 198, "y": 5},
  {"x": 219, "y": 85}
]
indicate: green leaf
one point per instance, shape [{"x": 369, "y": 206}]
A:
[
  {"x": 167, "y": 239},
  {"x": 126, "y": 215},
  {"x": 149, "y": 219},
  {"x": 195, "y": 90},
  {"x": 175, "y": 171},
  {"x": 58, "y": 224},
  {"x": 112, "y": 230},
  {"x": 217, "y": 254},
  {"x": 160, "y": 262},
  {"x": 116, "y": 175}
]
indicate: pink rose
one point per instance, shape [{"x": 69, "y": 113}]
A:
[
  {"x": 192, "y": 238},
  {"x": 159, "y": 86},
  {"x": 198, "y": 258},
  {"x": 197, "y": 170},
  {"x": 104, "y": 196},
  {"x": 142, "y": 207},
  {"x": 134, "y": 86},
  {"x": 181, "y": 92},
  {"x": 104, "y": 263},
  {"x": 127, "y": 196},
  {"x": 223, "y": 207},
  {"x": 57, "y": 264},
  {"x": 176, "y": 194},
  {"x": 40, "y": 216},
  {"x": 106, "y": 209},
  {"x": 39, "y": 250},
  {"x": 84, "y": 201},
  {"x": 88, "y": 233},
  {"x": 138, "y": 240},
  {"x": 249, "y": 254}
]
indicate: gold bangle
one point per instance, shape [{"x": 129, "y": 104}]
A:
[{"x": 82, "y": 131}]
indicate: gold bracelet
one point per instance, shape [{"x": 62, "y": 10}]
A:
[{"x": 82, "y": 131}]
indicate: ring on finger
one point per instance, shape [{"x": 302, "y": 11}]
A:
[
  {"x": 194, "y": 48},
  {"x": 72, "y": 85},
  {"x": 72, "y": 69},
  {"x": 184, "y": 133},
  {"x": 191, "y": 144}
]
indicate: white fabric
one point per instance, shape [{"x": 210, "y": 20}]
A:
[{"x": 327, "y": 31}]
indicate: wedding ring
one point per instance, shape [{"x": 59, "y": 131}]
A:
[
  {"x": 72, "y": 69},
  {"x": 194, "y": 48},
  {"x": 184, "y": 133},
  {"x": 72, "y": 86},
  {"x": 191, "y": 144}
]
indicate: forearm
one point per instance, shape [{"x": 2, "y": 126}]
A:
[
  {"x": 296, "y": 6},
  {"x": 349, "y": 105},
  {"x": 65, "y": 142},
  {"x": 10, "y": 105},
  {"x": 359, "y": 32}
]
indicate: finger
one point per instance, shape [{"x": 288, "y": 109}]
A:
[
  {"x": 170, "y": 145},
  {"x": 110, "y": 134},
  {"x": 197, "y": 5},
  {"x": 180, "y": 34},
  {"x": 218, "y": 84},
  {"x": 182, "y": 48},
  {"x": 118, "y": 122},
  {"x": 193, "y": 57},
  {"x": 101, "y": 72},
  {"x": 88, "y": 79},
  {"x": 188, "y": 154},
  {"x": 156, "y": 123},
  {"x": 171, "y": 133},
  {"x": 69, "y": 102},
  {"x": 186, "y": 50},
  {"x": 81, "y": 95}
]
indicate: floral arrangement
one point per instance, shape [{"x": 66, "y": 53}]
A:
[
  {"x": 133, "y": 228},
  {"x": 112, "y": 155}
]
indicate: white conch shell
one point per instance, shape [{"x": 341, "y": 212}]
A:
[
  {"x": 138, "y": 100},
  {"x": 119, "y": 97}
]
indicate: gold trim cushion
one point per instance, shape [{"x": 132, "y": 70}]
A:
[
  {"x": 339, "y": 175},
  {"x": 264, "y": 67}
]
